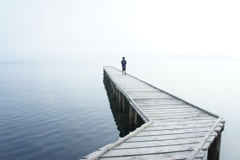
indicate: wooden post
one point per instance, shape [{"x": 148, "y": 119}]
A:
[
  {"x": 111, "y": 86},
  {"x": 123, "y": 103},
  {"x": 214, "y": 149},
  {"x": 104, "y": 74},
  {"x": 132, "y": 117},
  {"x": 119, "y": 98},
  {"x": 114, "y": 89},
  {"x": 116, "y": 92}
]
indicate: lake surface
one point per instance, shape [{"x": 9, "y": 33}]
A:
[{"x": 61, "y": 110}]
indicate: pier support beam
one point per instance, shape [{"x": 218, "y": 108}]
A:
[
  {"x": 214, "y": 149},
  {"x": 132, "y": 118},
  {"x": 114, "y": 90},
  {"x": 123, "y": 103},
  {"x": 121, "y": 99}
]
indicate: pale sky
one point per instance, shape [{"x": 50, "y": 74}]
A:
[{"x": 76, "y": 29}]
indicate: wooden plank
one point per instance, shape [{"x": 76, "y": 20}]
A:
[
  {"x": 204, "y": 147},
  {"x": 150, "y": 150},
  {"x": 158, "y": 100},
  {"x": 151, "y": 99},
  {"x": 139, "y": 89},
  {"x": 164, "y": 106},
  {"x": 140, "y": 97},
  {"x": 218, "y": 129},
  {"x": 180, "y": 126},
  {"x": 145, "y": 144},
  {"x": 166, "y": 111},
  {"x": 132, "y": 87},
  {"x": 169, "y": 117},
  {"x": 173, "y": 114},
  {"x": 160, "y": 103},
  {"x": 166, "y": 137},
  {"x": 175, "y": 123},
  {"x": 169, "y": 132},
  {"x": 165, "y": 156},
  {"x": 182, "y": 119},
  {"x": 175, "y": 131},
  {"x": 148, "y": 94}
]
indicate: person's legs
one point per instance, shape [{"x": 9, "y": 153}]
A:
[{"x": 123, "y": 70}]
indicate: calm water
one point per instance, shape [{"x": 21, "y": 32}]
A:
[
  {"x": 53, "y": 111},
  {"x": 61, "y": 110}
]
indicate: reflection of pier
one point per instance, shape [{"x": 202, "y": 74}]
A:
[
  {"x": 173, "y": 128},
  {"x": 125, "y": 116}
]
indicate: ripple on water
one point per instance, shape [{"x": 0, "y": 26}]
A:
[
  {"x": 41, "y": 118},
  {"x": 32, "y": 130}
]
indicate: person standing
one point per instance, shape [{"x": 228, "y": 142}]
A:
[{"x": 123, "y": 62}]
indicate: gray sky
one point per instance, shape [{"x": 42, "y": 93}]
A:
[{"x": 76, "y": 29}]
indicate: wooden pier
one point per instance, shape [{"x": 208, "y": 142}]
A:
[{"x": 173, "y": 130}]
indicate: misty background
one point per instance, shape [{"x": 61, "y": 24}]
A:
[{"x": 79, "y": 29}]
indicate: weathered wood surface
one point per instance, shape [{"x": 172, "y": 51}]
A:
[{"x": 174, "y": 129}]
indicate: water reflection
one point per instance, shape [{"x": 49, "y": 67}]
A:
[{"x": 122, "y": 112}]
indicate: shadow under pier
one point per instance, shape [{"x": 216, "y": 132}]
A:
[{"x": 125, "y": 116}]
